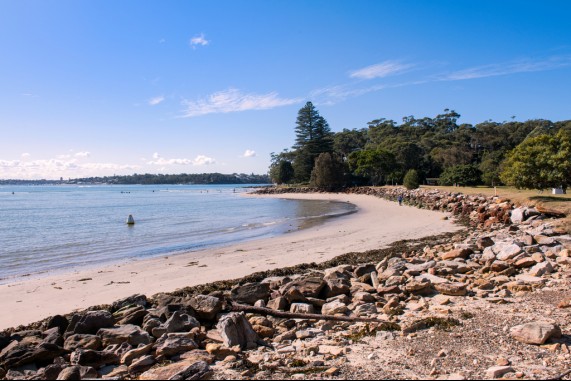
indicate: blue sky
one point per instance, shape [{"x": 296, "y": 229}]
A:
[{"x": 116, "y": 87}]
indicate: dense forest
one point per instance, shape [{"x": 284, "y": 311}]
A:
[
  {"x": 436, "y": 149},
  {"x": 145, "y": 179}
]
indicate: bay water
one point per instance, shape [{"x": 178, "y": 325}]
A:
[{"x": 54, "y": 228}]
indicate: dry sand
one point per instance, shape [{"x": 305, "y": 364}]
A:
[{"x": 376, "y": 224}]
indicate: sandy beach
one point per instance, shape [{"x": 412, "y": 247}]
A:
[{"x": 376, "y": 224}]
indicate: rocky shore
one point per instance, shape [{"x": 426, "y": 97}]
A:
[{"x": 490, "y": 302}]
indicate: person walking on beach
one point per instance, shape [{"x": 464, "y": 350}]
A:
[{"x": 400, "y": 200}]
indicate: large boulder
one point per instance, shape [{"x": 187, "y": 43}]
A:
[
  {"x": 20, "y": 355},
  {"x": 309, "y": 286},
  {"x": 74, "y": 342},
  {"x": 90, "y": 322},
  {"x": 133, "y": 300},
  {"x": 536, "y": 333},
  {"x": 250, "y": 293},
  {"x": 337, "y": 283},
  {"x": 334, "y": 308},
  {"x": 235, "y": 329},
  {"x": 207, "y": 307},
  {"x": 131, "y": 334},
  {"x": 172, "y": 344}
]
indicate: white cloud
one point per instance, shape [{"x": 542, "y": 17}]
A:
[
  {"x": 25, "y": 155},
  {"x": 83, "y": 154},
  {"x": 380, "y": 70},
  {"x": 232, "y": 100},
  {"x": 249, "y": 153},
  {"x": 199, "y": 160},
  {"x": 198, "y": 40},
  {"x": 61, "y": 166},
  {"x": 506, "y": 68},
  {"x": 156, "y": 100},
  {"x": 203, "y": 160}
]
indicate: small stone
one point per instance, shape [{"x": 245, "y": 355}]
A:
[
  {"x": 502, "y": 362},
  {"x": 331, "y": 372},
  {"x": 498, "y": 371}
]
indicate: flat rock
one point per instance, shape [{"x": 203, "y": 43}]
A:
[
  {"x": 334, "y": 308},
  {"x": 90, "y": 322},
  {"x": 82, "y": 341},
  {"x": 131, "y": 334},
  {"x": 452, "y": 289},
  {"x": 536, "y": 333},
  {"x": 499, "y": 371},
  {"x": 250, "y": 293}
]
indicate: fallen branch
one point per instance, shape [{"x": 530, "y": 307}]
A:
[
  {"x": 290, "y": 315},
  {"x": 562, "y": 375}
]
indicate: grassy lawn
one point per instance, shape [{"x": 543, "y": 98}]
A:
[{"x": 557, "y": 202}]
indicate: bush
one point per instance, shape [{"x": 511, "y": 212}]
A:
[
  {"x": 329, "y": 172},
  {"x": 462, "y": 175},
  {"x": 411, "y": 179}
]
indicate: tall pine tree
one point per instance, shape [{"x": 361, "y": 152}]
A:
[{"x": 312, "y": 137}]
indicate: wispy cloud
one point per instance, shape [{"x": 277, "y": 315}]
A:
[
  {"x": 507, "y": 68},
  {"x": 232, "y": 100},
  {"x": 198, "y": 41},
  {"x": 198, "y": 161},
  {"x": 156, "y": 100},
  {"x": 381, "y": 70},
  {"x": 249, "y": 153},
  {"x": 83, "y": 154}
]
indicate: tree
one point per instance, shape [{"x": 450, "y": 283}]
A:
[
  {"x": 540, "y": 162},
  {"x": 411, "y": 180},
  {"x": 282, "y": 172},
  {"x": 313, "y": 137},
  {"x": 329, "y": 172},
  {"x": 376, "y": 165},
  {"x": 462, "y": 175}
]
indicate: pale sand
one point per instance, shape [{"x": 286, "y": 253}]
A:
[{"x": 376, "y": 224}]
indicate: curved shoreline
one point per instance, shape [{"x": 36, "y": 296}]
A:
[{"x": 377, "y": 224}]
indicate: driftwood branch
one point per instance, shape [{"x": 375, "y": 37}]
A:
[
  {"x": 290, "y": 315},
  {"x": 562, "y": 375}
]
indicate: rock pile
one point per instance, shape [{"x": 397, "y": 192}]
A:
[
  {"x": 202, "y": 336},
  {"x": 485, "y": 212}
]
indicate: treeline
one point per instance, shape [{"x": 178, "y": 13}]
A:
[
  {"x": 432, "y": 148},
  {"x": 147, "y": 179}
]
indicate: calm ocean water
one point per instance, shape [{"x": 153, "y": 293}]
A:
[{"x": 44, "y": 228}]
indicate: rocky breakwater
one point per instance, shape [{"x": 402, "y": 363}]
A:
[
  {"x": 477, "y": 210},
  {"x": 348, "y": 321}
]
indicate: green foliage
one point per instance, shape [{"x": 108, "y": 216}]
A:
[
  {"x": 376, "y": 165},
  {"x": 540, "y": 162},
  {"x": 329, "y": 172},
  {"x": 313, "y": 137},
  {"x": 433, "y": 146},
  {"x": 282, "y": 172},
  {"x": 462, "y": 175},
  {"x": 411, "y": 180}
]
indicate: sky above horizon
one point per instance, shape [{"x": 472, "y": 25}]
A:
[{"x": 95, "y": 88}]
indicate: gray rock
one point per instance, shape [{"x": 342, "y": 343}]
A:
[
  {"x": 56, "y": 321},
  {"x": 541, "y": 269},
  {"x": 171, "y": 344},
  {"x": 22, "y": 355},
  {"x": 207, "y": 307},
  {"x": 499, "y": 371},
  {"x": 517, "y": 215},
  {"x": 92, "y": 358},
  {"x": 180, "y": 322},
  {"x": 365, "y": 309},
  {"x": 235, "y": 329},
  {"x": 142, "y": 364},
  {"x": 90, "y": 323},
  {"x": 536, "y": 333},
  {"x": 250, "y": 293},
  {"x": 131, "y": 334},
  {"x": 334, "y": 308},
  {"x": 337, "y": 283},
  {"x": 74, "y": 342},
  {"x": 308, "y": 286},
  {"x": 133, "y": 300},
  {"x": 301, "y": 308},
  {"x": 507, "y": 251},
  {"x": 197, "y": 371}
]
